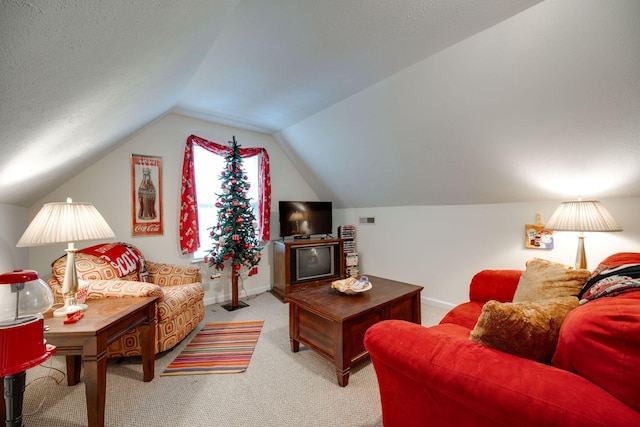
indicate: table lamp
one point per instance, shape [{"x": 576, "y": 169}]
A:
[
  {"x": 581, "y": 216},
  {"x": 67, "y": 222}
]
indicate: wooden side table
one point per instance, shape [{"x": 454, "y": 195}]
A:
[{"x": 105, "y": 321}]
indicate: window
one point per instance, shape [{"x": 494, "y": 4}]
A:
[
  {"x": 207, "y": 167},
  {"x": 256, "y": 165}
]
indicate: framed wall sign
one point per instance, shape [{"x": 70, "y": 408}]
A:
[
  {"x": 536, "y": 236},
  {"x": 146, "y": 195}
]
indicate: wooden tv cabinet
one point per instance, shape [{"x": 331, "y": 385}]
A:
[{"x": 282, "y": 266}]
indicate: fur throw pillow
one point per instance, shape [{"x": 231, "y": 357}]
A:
[
  {"x": 542, "y": 280},
  {"x": 525, "y": 329}
]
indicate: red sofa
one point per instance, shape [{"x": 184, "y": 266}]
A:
[{"x": 437, "y": 376}]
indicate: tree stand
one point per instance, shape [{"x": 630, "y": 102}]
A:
[{"x": 235, "y": 304}]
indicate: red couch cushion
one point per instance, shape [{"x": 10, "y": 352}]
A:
[
  {"x": 600, "y": 340},
  {"x": 498, "y": 285},
  {"x": 465, "y": 314}
]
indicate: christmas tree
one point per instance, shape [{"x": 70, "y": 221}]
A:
[{"x": 235, "y": 237}]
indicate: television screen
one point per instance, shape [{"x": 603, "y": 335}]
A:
[
  {"x": 305, "y": 218},
  {"x": 314, "y": 262}
]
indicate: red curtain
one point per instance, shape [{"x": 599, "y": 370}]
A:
[{"x": 189, "y": 229}]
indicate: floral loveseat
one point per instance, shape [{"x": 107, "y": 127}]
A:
[
  {"x": 458, "y": 373},
  {"x": 117, "y": 270}
]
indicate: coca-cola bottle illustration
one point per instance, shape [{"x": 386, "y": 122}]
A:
[{"x": 147, "y": 196}]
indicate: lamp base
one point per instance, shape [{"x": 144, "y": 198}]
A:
[
  {"x": 63, "y": 311},
  {"x": 581, "y": 257}
]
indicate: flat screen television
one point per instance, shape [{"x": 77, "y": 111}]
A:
[
  {"x": 314, "y": 262},
  {"x": 304, "y": 219}
]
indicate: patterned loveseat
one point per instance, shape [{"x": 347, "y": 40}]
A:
[{"x": 116, "y": 270}]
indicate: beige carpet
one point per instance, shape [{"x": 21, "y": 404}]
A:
[{"x": 280, "y": 388}]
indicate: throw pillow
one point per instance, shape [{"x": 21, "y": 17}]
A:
[
  {"x": 525, "y": 329},
  {"x": 542, "y": 280}
]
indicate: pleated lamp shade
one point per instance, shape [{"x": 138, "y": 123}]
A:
[
  {"x": 65, "y": 222},
  {"x": 582, "y": 215},
  {"x": 587, "y": 215}
]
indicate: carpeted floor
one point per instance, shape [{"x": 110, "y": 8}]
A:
[{"x": 279, "y": 388}]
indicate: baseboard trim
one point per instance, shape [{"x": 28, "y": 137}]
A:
[
  {"x": 244, "y": 293},
  {"x": 437, "y": 303},
  {"x": 216, "y": 299}
]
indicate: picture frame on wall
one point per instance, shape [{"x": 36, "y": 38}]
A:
[
  {"x": 536, "y": 236},
  {"x": 146, "y": 195}
]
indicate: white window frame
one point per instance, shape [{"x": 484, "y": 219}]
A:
[{"x": 207, "y": 167}]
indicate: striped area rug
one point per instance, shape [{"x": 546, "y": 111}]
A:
[{"x": 219, "y": 348}]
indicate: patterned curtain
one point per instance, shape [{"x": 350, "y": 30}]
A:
[{"x": 189, "y": 230}]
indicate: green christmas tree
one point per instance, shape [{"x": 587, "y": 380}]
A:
[{"x": 235, "y": 237}]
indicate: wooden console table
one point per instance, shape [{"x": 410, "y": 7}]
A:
[
  {"x": 333, "y": 324},
  {"x": 105, "y": 321}
]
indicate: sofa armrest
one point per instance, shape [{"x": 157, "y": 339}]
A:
[
  {"x": 122, "y": 288},
  {"x": 498, "y": 285},
  {"x": 172, "y": 274},
  {"x": 436, "y": 376}
]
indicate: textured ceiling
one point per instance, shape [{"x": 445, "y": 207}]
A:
[{"x": 432, "y": 102}]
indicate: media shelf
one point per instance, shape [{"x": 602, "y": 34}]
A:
[
  {"x": 305, "y": 263},
  {"x": 348, "y": 234}
]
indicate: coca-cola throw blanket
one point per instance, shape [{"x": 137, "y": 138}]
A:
[{"x": 124, "y": 258}]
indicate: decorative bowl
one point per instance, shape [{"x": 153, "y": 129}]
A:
[{"x": 351, "y": 285}]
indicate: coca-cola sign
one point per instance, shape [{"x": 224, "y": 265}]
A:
[{"x": 146, "y": 191}]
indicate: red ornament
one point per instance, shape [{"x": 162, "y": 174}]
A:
[
  {"x": 233, "y": 181},
  {"x": 239, "y": 219},
  {"x": 226, "y": 257},
  {"x": 218, "y": 204},
  {"x": 227, "y": 229},
  {"x": 237, "y": 266},
  {"x": 236, "y": 203}
]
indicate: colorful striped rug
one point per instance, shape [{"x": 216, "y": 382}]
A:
[{"x": 218, "y": 348}]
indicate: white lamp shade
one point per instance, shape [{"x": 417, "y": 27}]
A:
[
  {"x": 587, "y": 215},
  {"x": 65, "y": 222}
]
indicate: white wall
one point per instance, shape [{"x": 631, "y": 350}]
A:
[
  {"x": 442, "y": 247},
  {"x": 107, "y": 184},
  {"x": 13, "y": 222},
  {"x": 439, "y": 247}
]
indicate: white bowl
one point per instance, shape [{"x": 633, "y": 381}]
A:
[{"x": 351, "y": 286}]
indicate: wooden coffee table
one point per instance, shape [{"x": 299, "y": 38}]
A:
[
  {"x": 105, "y": 321},
  {"x": 333, "y": 324}
]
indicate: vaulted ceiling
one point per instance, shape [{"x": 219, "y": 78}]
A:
[{"x": 378, "y": 102}]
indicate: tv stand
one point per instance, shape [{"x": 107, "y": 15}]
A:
[{"x": 283, "y": 269}]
